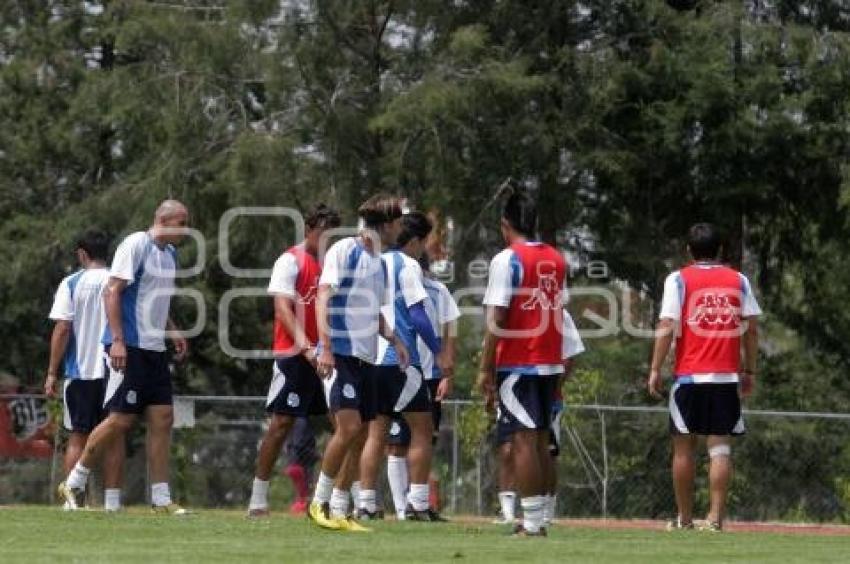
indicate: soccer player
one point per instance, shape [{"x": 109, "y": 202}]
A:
[
  {"x": 710, "y": 310},
  {"x": 75, "y": 343},
  {"x": 137, "y": 300},
  {"x": 403, "y": 389},
  {"x": 522, "y": 349},
  {"x": 352, "y": 290},
  {"x": 295, "y": 390},
  {"x": 572, "y": 347},
  {"x": 443, "y": 314}
]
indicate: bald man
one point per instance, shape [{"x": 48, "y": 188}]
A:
[{"x": 137, "y": 300}]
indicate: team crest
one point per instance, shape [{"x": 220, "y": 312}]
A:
[
  {"x": 292, "y": 400},
  {"x": 348, "y": 391},
  {"x": 131, "y": 397}
]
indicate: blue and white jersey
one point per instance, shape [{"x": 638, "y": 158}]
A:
[
  {"x": 405, "y": 287},
  {"x": 358, "y": 282},
  {"x": 573, "y": 345},
  {"x": 441, "y": 308},
  {"x": 149, "y": 271},
  {"x": 79, "y": 299}
]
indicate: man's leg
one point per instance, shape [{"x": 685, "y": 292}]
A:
[
  {"x": 507, "y": 482},
  {"x": 270, "y": 447},
  {"x": 347, "y": 427},
  {"x": 370, "y": 463},
  {"x": 719, "y": 476},
  {"x": 100, "y": 439},
  {"x": 74, "y": 450},
  {"x": 398, "y": 477},
  {"x": 348, "y": 474},
  {"x": 684, "y": 469},
  {"x": 159, "y": 419},
  {"x": 113, "y": 473},
  {"x": 419, "y": 457},
  {"x": 529, "y": 476}
]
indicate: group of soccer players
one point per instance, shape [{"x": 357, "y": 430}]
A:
[{"x": 364, "y": 335}]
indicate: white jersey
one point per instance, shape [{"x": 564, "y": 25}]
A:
[
  {"x": 79, "y": 299},
  {"x": 358, "y": 281},
  {"x": 149, "y": 271},
  {"x": 441, "y": 308},
  {"x": 572, "y": 345}
]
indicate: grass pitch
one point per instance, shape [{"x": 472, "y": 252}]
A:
[{"x": 45, "y": 534}]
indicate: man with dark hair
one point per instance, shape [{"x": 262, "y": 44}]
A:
[
  {"x": 522, "y": 349},
  {"x": 295, "y": 390},
  {"x": 75, "y": 343},
  {"x": 137, "y": 300},
  {"x": 352, "y": 289},
  {"x": 709, "y": 309},
  {"x": 403, "y": 389}
]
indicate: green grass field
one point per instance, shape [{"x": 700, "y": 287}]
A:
[{"x": 41, "y": 534}]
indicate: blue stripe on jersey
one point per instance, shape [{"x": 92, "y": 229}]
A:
[
  {"x": 680, "y": 284},
  {"x": 72, "y": 366},
  {"x": 403, "y": 328},
  {"x": 516, "y": 271},
  {"x": 340, "y": 342}
]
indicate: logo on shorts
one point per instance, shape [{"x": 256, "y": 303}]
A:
[
  {"x": 131, "y": 397},
  {"x": 348, "y": 391},
  {"x": 292, "y": 400},
  {"x": 395, "y": 429}
]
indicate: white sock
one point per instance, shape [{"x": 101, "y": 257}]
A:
[
  {"x": 259, "y": 494},
  {"x": 339, "y": 503},
  {"x": 160, "y": 494},
  {"x": 398, "y": 478},
  {"x": 78, "y": 477},
  {"x": 111, "y": 499},
  {"x": 532, "y": 513},
  {"x": 507, "y": 500},
  {"x": 418, "y": 497},
  {"x": 324, "y": 488},
  {"x": 550, "y": 502},
  {"x": 355, "y": 493},
  {"x": 368, "y": 500}
]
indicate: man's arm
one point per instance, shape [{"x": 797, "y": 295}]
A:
[
  {"x": 664, "y": 334},
  {"x": 325, "y": 361},
  {"x": 495, "y": 318},
  {"x": 446, "y": 361},
  {"x": 112, "y": 302},
  {"x": 751, "y": 344},
  {"x": 58, "y": 344},
  {"x": 181, "y": 345}
]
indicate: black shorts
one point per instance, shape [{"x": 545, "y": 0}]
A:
[
  {"x": 401, "y": 392},
  {"x": 525, "y": 403},
  {"x": 146, "y": 380},
  {"x": 83, "y": 404},
  {"x": 705, "y": 409},
  {"x": 353, "y": 387},
  {"x": 399, "y": 432},
  {"x": 296, "y": 389}
]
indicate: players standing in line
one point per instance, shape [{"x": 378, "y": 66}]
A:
[
  {"x": 572, "y": 347},
  {"x": 711, "y": 311},
  {"x": 137, "y": 300},
  {"x": 402, "y": 389},
  {"x": 522, "y": 349},
  {"x": 295, "y": 390},
  {"x": 443, "y": 314},
  {"x": 352, "y": 290},
  {"x": 75, "y": 343}
]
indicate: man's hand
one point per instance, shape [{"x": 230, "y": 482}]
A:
[
  {"x": 487, "y": 386},
  {"x": 50, "y": 385},
  {"x": 118, "y": 355},
  {"x": 655, "y": 384},
  {"x": 446, "y": 364},
  {"x": 444, "y": 388},
  {"x": 402, "y": 353},
  {"x": 748, "y": 382},
  {"x": 312, "y": 357},
  {"x": 181, "y": 347},
  {"x": 325, "y": 363}
]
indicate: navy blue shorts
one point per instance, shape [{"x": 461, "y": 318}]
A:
[
  {"x": 353, "y": 387},
  {"x": 525, "y": 403},
  {"x": 705, "y": 409},
  {"x": 83, "y": 404},
  {"x": 402, "y": 392},
  {"x": 296, "y": 389},
  {"x": 146, "y": 380},
  {"x": 399, "y": 432}
]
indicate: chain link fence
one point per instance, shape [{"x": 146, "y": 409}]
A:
[{"x": 614, "y": 460}]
